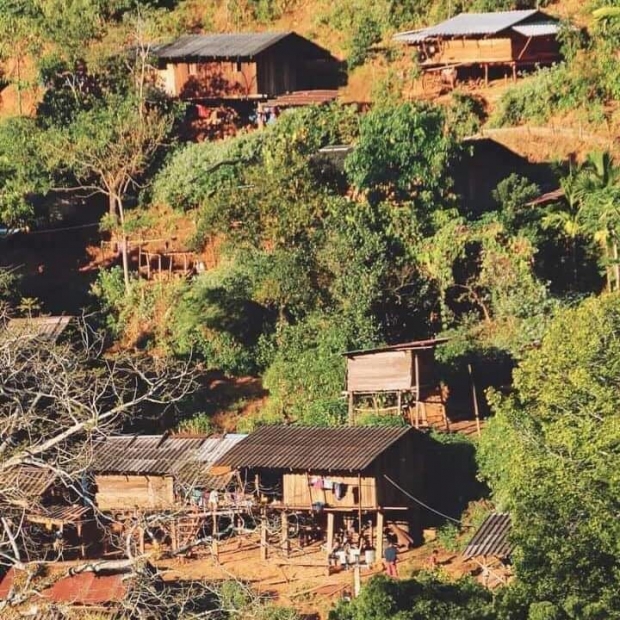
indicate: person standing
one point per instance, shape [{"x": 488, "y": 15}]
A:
[{"x": 390, "y": 556}]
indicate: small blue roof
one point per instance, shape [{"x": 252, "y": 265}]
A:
[{"x": 472, "y": 24}]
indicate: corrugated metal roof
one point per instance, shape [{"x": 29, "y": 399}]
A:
[
  {"x": 492, "y": 537},
  {"x": 431, "y": 343},
  {"x": 188, "y": 459},
  {"x": 46, "y": 328},
  {"x": 25, "y": 484},
  {"x": 538, "y": 30},
  {"x": 313, "y": 448},
  {"x": 88, "y": 589},
  {"x": 303, "y": 97},
  {"x": 212, "y": 46},
  {"x": 83, "y": 589},
  {"x": 471, "y": 24},
  {"x": 64, "y": 514}
]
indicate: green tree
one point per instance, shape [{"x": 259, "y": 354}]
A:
[
  {"x": 423, "y": 598},
  {"x": 402, "y": 155},
  {"x": 551, "y": 456},
  {"x": 107, "y": 149}
]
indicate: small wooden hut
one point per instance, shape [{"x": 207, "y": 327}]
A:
[
  {"x": 244, "y": 66},
  {"x": 490, "y": 548},
  {"x": 407, "y": 370},
  {"x": 514, "y": 39},
  {"x": 353, "y": 473}
]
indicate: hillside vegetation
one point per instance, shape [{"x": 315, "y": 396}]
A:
[{"x": 313, "y": 255}]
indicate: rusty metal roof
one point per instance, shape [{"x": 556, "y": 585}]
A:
[
  {"x": 491, "y": 538},
  {"x": 351, "y": 448},
  {"x": 474, "y": 24},
  {"x": 187, "y": 459},
  {"x": 431, "y": 343},
  {"x": 46, "y": 328},
  {"x": 88, "y": 589},
  {"x": 302, "y": 98}
]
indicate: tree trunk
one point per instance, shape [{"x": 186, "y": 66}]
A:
[
  {"x": 616, "y": 264},
  {"x": 124, "y": 245},
  {"x": 112, "y": 205}
]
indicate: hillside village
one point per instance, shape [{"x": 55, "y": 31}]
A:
[{"x": 309, "y": 310}]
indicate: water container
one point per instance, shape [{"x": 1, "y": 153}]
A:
[{"x": 369, "y": 556}]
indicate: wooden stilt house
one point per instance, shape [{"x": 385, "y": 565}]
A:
[
  {"x": 234, "y": 66},
  {"x": 361, "y": 475},
  {"x": 167, "y": 474},
  {"x": 513, "y": 39}
]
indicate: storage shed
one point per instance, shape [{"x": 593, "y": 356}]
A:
[
  {"x": 491, "y": 547},
  {"x": 511, "y": 38},
  {"x": 244, "y": 65},
  {"x": 354, "y": 471},
  {"x": 406, "y": 369}
]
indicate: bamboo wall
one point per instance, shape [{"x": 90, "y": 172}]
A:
[{"x": 129, "y": 492}]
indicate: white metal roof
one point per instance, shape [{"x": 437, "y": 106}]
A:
[{"x": 471, "y": 24}]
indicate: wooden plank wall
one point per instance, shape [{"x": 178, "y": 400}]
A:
[
  {"x": 384, "y": 370},
  {"x": 277, "y": 72},
  {"x": 297, "y": 493},
  {"x": 129, "y": 492},
  {"x": 404, "y": 464},
  {"x": 211, "y": 80},
  {"x": 539, "y": 49}
]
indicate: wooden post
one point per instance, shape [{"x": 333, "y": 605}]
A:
[
  {"x": 330, "y": 532},
  {"x": 284, "y": 533},
  {"x": 351, "y": 412},
  {"x": 139, "y": 258},
  {"x": 475, "y": 398},
  {"x": 417, "y": 389},
  {"x": 514, "y": 71},
  {"x": 357, "y": 580},
  {"x": 399, "y": 402},
  {"x": 359, "y": 505},
  {"x": 486, "y": 74},
  {"x": 379, "y": 545},
  {"x": 78, "y": 526},
  {"x": 263, "y": 537},
  {"x": 174, "y": 538}
]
